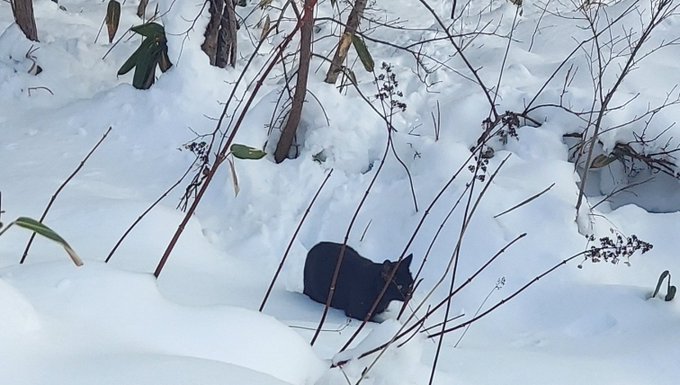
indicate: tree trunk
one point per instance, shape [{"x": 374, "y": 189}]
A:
[
  {"x": 220, "y": 34},
  {"x": 23, "y": 15},
  {"x": 209, "y": 45},
  {"x": 345, "y": 41},
  {"x": 288, "y": 134},
  {"x": 226, "y": 38}
]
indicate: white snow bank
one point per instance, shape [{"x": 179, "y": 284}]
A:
[{"x": 97, "y": 321}]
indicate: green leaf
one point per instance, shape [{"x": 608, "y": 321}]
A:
[
  {"x": 149, "y": 30},
  {"x": 33, "y": 225},
  {"x": 41, "y": 229},
  {"x": 246, "y": 152},
  {"x": 603, "y": 160},
  {"x": 363, "y": 53},
  {"x": 131, "y": 62},
  {"x": 146, "y": 65},
  {"x": 112, "y": 18},
  {"x": 152, "y": 52}
]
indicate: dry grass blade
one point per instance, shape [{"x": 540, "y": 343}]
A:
[
  {"x": 112, "y": 19},
  {"x": 525, "y": 201},
  {"x": 234, "y": 177}
]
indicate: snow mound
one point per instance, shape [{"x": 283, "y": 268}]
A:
[
  {"x": 16, "y": 313},
  {"x": 100, "y": 320}
]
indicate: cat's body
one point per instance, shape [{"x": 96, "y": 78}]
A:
[{"x": 360, "y": 280}]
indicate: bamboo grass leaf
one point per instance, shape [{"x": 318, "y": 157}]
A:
[
  {"x": 43, "y": 230},
  {"x": 364, "y": 55},
  {"x": 246, "y": 152}
]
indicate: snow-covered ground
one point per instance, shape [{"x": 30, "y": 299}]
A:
[{"x": 113, "y": 323}]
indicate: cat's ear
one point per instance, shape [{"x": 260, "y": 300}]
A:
[{"x": 407, "y": 261}]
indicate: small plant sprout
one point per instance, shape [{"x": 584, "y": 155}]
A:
[
  {"x": 152, "y": 52},
  {"x": 670, "y": 290}
]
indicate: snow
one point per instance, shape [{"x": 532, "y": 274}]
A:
[
  {"x": 68, "y": 315},
  {"x": 114, "y": 323}
]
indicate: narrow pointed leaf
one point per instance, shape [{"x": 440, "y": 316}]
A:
[
  {"x": 130, "y": 63},
  {"x": 246, "y": 152},
  {"x": 43, "y": 230},
  {"x": 351, "y": 75},
  {"x": 112, "y": 18},
  {"x": 149, "y": 29},
  {"x": 266, "y": 26},
  {"x": 363, "y": 53},
  {"x": 234, "y": 177}
]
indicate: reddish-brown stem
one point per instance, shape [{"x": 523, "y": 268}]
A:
[
  {"x": 225, "y": 147},
  {"x": 134, "y": 224}
]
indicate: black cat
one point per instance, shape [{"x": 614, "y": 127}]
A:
[{"x": 360, "y": 280}]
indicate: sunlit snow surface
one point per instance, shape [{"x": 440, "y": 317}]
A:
[{"x": 198, "y": 324}]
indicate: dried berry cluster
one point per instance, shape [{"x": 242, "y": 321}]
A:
[
  {"x": 510, "y": 124},
  {"x": 200, "y": 149},
  {"x": 614, "y": 249},
  {"x": 389, "y": 88},
  {"x": 483, "y": 164}
]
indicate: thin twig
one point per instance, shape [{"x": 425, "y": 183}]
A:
[
  {"x": 426, "y": 213},
  {"x": 134, "y": 224},
  {"x": 619, "y": 190},
  {"x": 292, "y": 239},
  {"x": 510, "y": 297},
  {"x": 343, "y": 248},
  {"x": 525, "y": 201},
  {"x": 61, "y": 187},
  {"x": 404, "y": 330}
]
